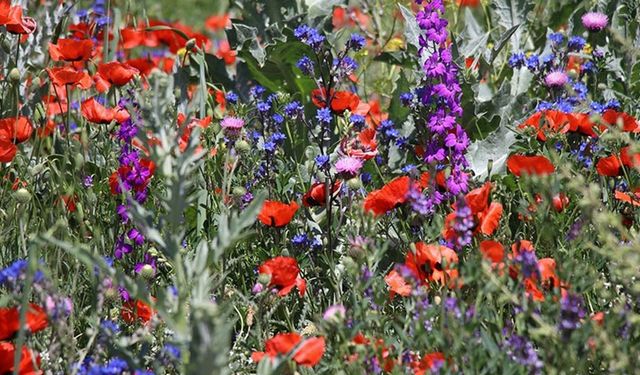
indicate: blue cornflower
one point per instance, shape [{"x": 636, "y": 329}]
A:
[
  {"x": 301, "y": 32},
  {"x": 13, "y": 271},
  {"x": 516, "y": 60},
  {"x": 231, "y": 97},
  {"x": 263, "y": 107},
  {"x": 588, "y": 67},
  {"x": 316, "y": 244},
  {"x": 548, "y": 59},
  {"x": 299, "y": 240},
  {"x": 365, "y": 177},
  {"x": 406, "y": 98},
  {"x": 345, "y": 66},
  {"x": 322, "y": 161},
  {"x": 358, "y": 121},
  {"x": 293, "y": 109},
  {"x": 581, "y": 90},
  {"x": 533, "y": 62},
  {"x": 172, "y": 350},
  {"x": 277, "y": 118},
  {"x": 556, "y": 38},
  {"x": 408, "y": 168},
  {"x": 305, "y": 65},
  {"x": 278, "y": 137},
  {"x": 597, "y": 107},
  {"x": 613, "y": 104},
  {"x": 576, "y": 43},
  {"x": 356, "y": 42},
  {"x": 270, "y": 147},
  {"x": 257, "y": 91},
  {"x": 109, "y": 327},
  {"x": 324, "y": 115}
]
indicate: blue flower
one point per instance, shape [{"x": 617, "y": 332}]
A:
[
  {"x": 556, "y": 38},
  {"x": 231, "y": 97},
  {"x": 299, "y": 240},
  {"x": 293, "y": 109},
  {"x": 516, "y": 60},
  {"x": 324, "y": 115},
  {"x": 305, "y": 65},
  {"x": 365, "y": 177},
  {"x": 406, "y": 98},
  {"x": 263, "y": 107},
  {"x": 322, "y": 161},
  {"x": 576, "y": 43},
  {"x": 13, "y": 272},
  {"x": 277, "y": 118},
  {"x": 533, "y": 62},
  {"x": 278, "y": 138},
  {"x": 356, "y": 42},
  {"x": 257, "y": 91},
  {"x": 358, "y": 121}
]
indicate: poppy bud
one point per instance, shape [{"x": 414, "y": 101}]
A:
[
  {"x": 191, "y": 44},
  {"x": 285, "y": 253},
  {"x": 147, "y": 271},
  {"x": 6, "y": 46},
  {"x": 36, "y": 82},
  {"x": 111, "y": 295},
  {"x": 37, "y": 169},
  {"x": 22, "y": 195},
  {"x": 239, "y": 191},
  {"x": 14, "y": 75},
  {"x": 354, "y": 183},
  {"x": 242, "y": 146},
  {"x": 264, "y": 278}
]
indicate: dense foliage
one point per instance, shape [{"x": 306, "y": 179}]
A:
[{"x": 335, "y": 187}]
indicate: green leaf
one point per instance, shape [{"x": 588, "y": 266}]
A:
[
  {"x": 411, "y": 28},
  {"x": 509, "y": 14}
]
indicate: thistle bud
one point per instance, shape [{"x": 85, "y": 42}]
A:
[
  {"x": 239, "y": 191},
  {"x": 242, "y": 146},
  {"x": 354, "y": 183},
  {"x": 147, "y": 271}
]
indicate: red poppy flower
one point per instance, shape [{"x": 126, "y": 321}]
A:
[
  {"x": 397, "y": 284},
  {"x": 581, "y": 123},
  {"x": 16, "y": 130},
  {"x": 36, "y": 320},
  {"x": 277, "y": 214},
  {"x": 492, "y": 251},
  {"x": 12, "y": 19},
  {"x": 114, "y": 73},
  {"x": 144, "y": 65},
  {"x": 628, "y": 159},
  {"x": 316, "y": 196},
  {"x": 27, "y": 360},
  {"x": 71, "y": 50},
  {"x": 532, "y": 165},
  {"x": 486, "y": 216},
  {"x": 225, "y": 52},
  {"x": 285, "y": 274},
  {"x": 625, "y": 120},
  {"x": 609, "y": 166},
  {"x": 560, "y": 202},
  {"x": 308, "y": 353},
  {"x": 429, "y": 362},
  {"x": 133, "y": 311},
  {"x": 389, "y": 197},
  {"x": 62, "y": 76},
  {"x": 549, "y": 121},
  {"x": 217, "y": 22},
  {"x": 8, "y": 150},
  {"x": 490, "y": 219},
  {"x": 478, "y": 199},
  {"x": 343, "y": 17},
  {"x": 132, "y": 37},
  {"x": 364, "y": 146},
  {"x": 468, "y": 3},
  {"x": 95, "y": 112},
  {"x": 634, "y": 198},
  {"x": 340, "y": 100}
]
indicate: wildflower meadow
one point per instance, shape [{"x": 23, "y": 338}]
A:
[{"x": 319, "y": 187}]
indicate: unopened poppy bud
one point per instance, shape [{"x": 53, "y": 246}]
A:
[
  {"x": 354, "y": 183},
  {"x": 239, "y": 191},
  {"x": 191, "y": 44},
  {"x": 242, "y": 146},
  {"x": 6, "y": 46},
  {"x": 111, "y": 295},
  {"x": 147, "y": 271},
  {"x": 264, "y": 278},
  {"x": 14, "y": 75},
  {"x": 23, "y": 195}
]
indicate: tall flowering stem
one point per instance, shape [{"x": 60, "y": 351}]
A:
[{"x": 445, "y": 142}]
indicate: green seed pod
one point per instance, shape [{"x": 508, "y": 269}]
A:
[
  {"x": 14, "y": 75},
  {"x": 354, "y": 183},
  {"x": 22, "y": 195},
  {"x": 243, "y": 146},
  {"x": 111, "y": 295},
  {"x": 147, "y": 272},
  {"x": 239, "y": 190},
  {"x": 36, "y": 82},
  {"x": 264, "y": 278}
]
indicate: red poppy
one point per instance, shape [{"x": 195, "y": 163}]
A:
[
  {"x": 340, "y": 100},
  {"x": 137, "y": 310},
  {"x": 122, "y": 172},
  {"x": 8, "y": 150},
  {"x": 397, "y": 284},
  {"x": 114, "y": 73},
  {"x": 285, "y": 274},
  {"x": 95, "y": 112},
  {"x": 363, "y": 147},
  {"x": 71, "y": 50},
  {"x": 225, "y": 52},
  {"x": 27, "y": 360},
  {"x": 132, "y": 37},
  {"x": 144, "y": 65},
  {"x": 581, "y": 123},
  {"x": 628, "y": 159},
  {"x": 609, "y": 166},
  {"x": 623, "y": 119},
  {"x": 62, "y": 76},
  {"x": 36, "y": 320},
  {"x": 16, "y": 130},
  {"x": 429, "y": 362},
  {"x": 316, "y": 195},
  {"x": 12, "y": 19},
  {"x": 389, "y": 197},
  {"x": 486, "y": 217},
  {"x": 560, "y": 202},
  {"x": 217, "y": 22},
  {"x": 549, "y": 121},
  {"x": 277, "y": 214},
  {"x": 478, "y": 199},
  {"x": 308, "y": 353},
  {"x": 492, "y": 251},
  {"x": 489, "y": 219},
  {"x": 343, "y": 17},
  {"x": 634, "y": 198},
  {"x": 468, "y": 3},
  {"x": 532, "y": 165}
]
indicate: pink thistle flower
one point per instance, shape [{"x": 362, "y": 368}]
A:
[
  {"x": 348, "y": 167},
  {"x": 231, "y": 126},
  {"x": 556, "y": 79},
  {"x": 334, "y": 312},
  {"x": 595, "y": 21}
]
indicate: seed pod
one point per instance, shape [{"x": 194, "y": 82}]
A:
[
  {"x": 14, "y": 75},
  {"x": 242, "y": 146},
  {"x": 22, "y": 195}
]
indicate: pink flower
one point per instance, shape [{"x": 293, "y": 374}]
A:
[
  {"x": 556, "y": 79},
  {"x": 231, "y": 126},
  {"x": 595, "y": 21},
  {"x": 348, "y": 166},
  {"x": 336, "y": 312}
]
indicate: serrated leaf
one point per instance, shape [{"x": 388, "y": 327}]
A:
[{"x": 411, "y": 28}]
